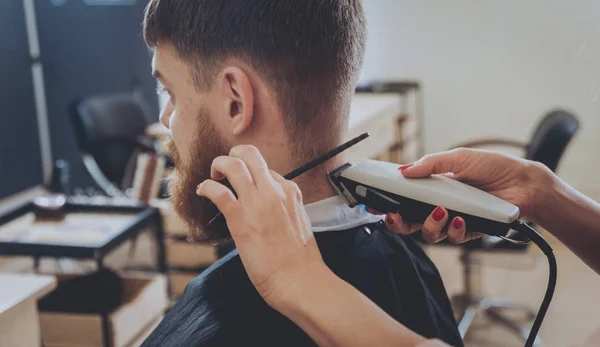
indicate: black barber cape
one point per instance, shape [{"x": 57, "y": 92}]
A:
[{"x": 222, "y": 308}]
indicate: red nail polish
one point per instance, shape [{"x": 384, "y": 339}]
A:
[
  {"x": 438, "y": 214},
  {"x": 389, "y": 220},
  {"x": 458, "y": 223},
  {"x": 405, "y": 166},
  {"x": 198, "y": 186}
]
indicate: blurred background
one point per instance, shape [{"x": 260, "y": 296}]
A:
[
  {"x": 78, "y": 117},
  {"x": 493, "y": 68}
]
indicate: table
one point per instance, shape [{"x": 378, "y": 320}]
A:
[
  {"x": 19, "y": 320},
  {"x": 87, "y": 232}
]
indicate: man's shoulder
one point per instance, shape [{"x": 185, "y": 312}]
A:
[
  {"x": 207, "y": 306},
  {"x": 226, "y": 269},
  {"x": 222, "y": 307},
  {"x": 223, "y": 288},
  {"x": 396, "y": 274},
  {"x": 371, "y": 242}
]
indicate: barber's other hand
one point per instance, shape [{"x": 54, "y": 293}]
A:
[
  {"x": 267, "y": 221},
  {"x": 515, "y": 180},
  {"x": 434, "y": 229}
]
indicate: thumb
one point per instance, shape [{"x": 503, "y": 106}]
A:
[{"x": 439, "y": 163}]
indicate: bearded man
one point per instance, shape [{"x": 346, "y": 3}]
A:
[{"x": 278, "y": 75}]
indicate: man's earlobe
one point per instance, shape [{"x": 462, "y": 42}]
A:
[{"x": 240, "y": 99}]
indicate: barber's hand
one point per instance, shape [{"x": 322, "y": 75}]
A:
[
  {"x": 512, "y": 179},
  {"x": 267, "y": 221},
  {"x": 434, "y": 229}
]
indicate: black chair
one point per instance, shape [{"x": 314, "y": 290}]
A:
[
  {"x": 110, "y": 131},
  {"x": 547, "y": 145}
]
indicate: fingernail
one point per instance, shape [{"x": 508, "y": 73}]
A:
[
  {"x": 458, "y": 223},
  {"x": 405, "y": 166},
  {"x": 198, "y": 186},
  {"x": 438, "y": 214},
  {"x": 389, "y": 220}
]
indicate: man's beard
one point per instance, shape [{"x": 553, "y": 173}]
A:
[{"x": 197, "y": 211}]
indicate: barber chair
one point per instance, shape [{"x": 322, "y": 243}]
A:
[
  {"x": 110, "y": 131},
  {"x": 549, "y": 141}
]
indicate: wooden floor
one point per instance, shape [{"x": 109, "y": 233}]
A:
[{"x": 573, "y": 316}]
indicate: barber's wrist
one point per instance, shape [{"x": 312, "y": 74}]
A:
[
  {"x": 544, "y": 191},
  {"x": 291, "y": 293}
]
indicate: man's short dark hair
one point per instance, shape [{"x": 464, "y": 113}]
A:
[{"x": 309, "y": 51}]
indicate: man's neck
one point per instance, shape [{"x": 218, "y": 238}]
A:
[
  {"x": 315, "y": 185},
  {"x": 315, "y": 190}
]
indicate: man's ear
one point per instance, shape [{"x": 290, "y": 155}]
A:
[{"x": 239, "y": 98}]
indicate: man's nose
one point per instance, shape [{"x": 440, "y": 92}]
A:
[{"x": 165, "y": 115}]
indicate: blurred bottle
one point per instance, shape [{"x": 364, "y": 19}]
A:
[{"x": 60, "y": 177}]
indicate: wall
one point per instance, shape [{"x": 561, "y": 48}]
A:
[
  {"x": 19, "y": 169},
  {"x": 492, "y": 68},
  {"x": 90, "y": 50}
]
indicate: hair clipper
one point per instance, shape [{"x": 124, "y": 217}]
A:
[{"x": 381, "y": 186}]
